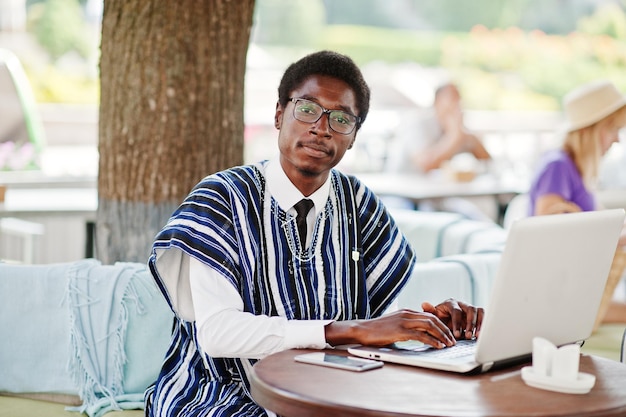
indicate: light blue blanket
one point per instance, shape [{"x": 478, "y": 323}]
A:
[
  {"x": 101, "y": 300},
  {"x": 34, "y": 330},
  {"x": 97, "y": 331}
]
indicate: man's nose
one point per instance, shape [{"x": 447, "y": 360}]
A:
[{"x": 322, "y": 126}]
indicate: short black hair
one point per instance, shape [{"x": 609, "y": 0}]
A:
[{"x": 331, "y": 64}]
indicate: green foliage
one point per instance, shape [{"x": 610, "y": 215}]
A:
[
  {"x": 514, "y": 54},
  {"x": 515, "y": 69},
  {"x": 51, "y": 85},
  {"x": 59, "y": 27},
  {"x": 299, "y": 23},
  {"x": 365, "y": 44},
  {"x": 608, "y": 20},
  {"x": 491, "y": 47},
  {"x": 550, "y": 16}
]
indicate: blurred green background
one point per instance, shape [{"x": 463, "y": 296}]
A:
[{"x": 506, "y": 55}]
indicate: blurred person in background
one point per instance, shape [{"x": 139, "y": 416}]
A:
[
  {"x": 430, "y": 142},
  {"x": 566, "y": 178},
  {"x": 439, "y": 136}
]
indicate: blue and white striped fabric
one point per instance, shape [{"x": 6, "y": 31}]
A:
[{"x": 357, "y": 263}]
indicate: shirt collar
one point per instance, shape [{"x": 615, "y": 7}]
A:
[{"x": 286, "y": 194}]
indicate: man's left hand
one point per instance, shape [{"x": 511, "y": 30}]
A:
[{"x": 465, "y": 320}]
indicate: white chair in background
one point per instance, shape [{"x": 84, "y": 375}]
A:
[
  {"x": 516, "y": 209},
  {"x": 22, "y": 230}
]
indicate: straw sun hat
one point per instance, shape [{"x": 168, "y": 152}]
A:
[{"x": 590, "y": 103}]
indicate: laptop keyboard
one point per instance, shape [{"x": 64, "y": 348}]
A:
[{"x": 462, "y": 348}]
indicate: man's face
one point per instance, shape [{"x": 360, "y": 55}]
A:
[
  {"x": 448, "y": 100},
  {"x": 309, "y": 150}
]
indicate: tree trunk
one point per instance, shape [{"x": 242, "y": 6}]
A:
[{"x": 171, "y": 111}]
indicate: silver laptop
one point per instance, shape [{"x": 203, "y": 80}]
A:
[{"x": 549, "y": 283}]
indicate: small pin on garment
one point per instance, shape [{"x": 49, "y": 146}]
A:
[{"x": 355, "y": 255}]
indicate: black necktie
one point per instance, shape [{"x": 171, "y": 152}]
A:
[{"x": 302, "y": 208}]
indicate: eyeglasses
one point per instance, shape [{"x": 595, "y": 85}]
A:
[{"x": 308, "y": 111}]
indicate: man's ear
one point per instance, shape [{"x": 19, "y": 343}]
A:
[{"x": 278, "y": 116}]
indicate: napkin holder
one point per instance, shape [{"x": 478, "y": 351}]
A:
[{"x": 556, "y": 369}]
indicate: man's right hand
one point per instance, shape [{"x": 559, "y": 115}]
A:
[{"x": 397, "y": 326}]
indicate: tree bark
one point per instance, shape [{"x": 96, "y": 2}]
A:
[{"x": 171, "y": 111}]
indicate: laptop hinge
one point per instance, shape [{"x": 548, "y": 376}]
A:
[{"x": 505, "y": 363}]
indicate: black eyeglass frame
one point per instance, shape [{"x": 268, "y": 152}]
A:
[{"x": 294, "y": 100}]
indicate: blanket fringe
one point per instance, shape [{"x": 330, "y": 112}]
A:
[{"x": 95, "y": 384}]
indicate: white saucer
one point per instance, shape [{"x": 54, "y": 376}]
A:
[{"x": 581, "y": 385}]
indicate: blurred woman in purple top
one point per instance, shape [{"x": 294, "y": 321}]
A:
[{"x": 566, "y": 178}]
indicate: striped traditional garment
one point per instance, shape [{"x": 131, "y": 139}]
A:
[{"x": 355, "y": 266}]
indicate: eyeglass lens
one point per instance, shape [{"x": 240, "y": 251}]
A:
[{"x": 310, "y": 112}]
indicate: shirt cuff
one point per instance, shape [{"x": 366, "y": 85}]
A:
[{"x": 303, "y": 334}]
